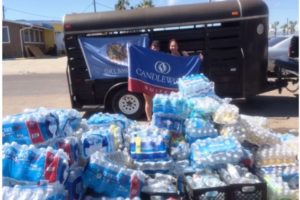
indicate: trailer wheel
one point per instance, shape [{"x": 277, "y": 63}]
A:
[
  {"x": 128, "y": 103},
  {"x": 293, "y": 86}
]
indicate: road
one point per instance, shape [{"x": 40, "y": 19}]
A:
[{"x": 32, "y": 88}]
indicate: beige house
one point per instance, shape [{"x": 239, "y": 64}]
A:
[{"x": 22, "y": 38}]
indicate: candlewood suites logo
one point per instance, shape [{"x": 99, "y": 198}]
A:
[{"x": 162, "y": 67}]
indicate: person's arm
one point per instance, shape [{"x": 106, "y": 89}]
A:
[{"x": 184, "y": 53}]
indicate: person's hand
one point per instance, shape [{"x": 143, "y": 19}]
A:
[
  {"x": 184, "y": 53},
  {"x": 201, "y": 56}
]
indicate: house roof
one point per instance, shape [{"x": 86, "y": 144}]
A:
[{"x": 37, "y": 24}]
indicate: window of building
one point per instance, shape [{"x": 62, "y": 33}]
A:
[
  {"x": 26, "y": 36},
  {"x": 37, "y": 36},
  {"x": 41, "y": 36},
  {"x": 33, "y": 36},
  {"x": 5, "y": 34}
]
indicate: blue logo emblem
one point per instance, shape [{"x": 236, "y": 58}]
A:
[{"x": 162, "y": 67}]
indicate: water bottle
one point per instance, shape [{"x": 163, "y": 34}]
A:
[
  {"x": 157, "y": 104},
  {"x": 9, "y": 153},
  {"x": 63, "y": 166},
  {"x": 22, "y": 163},
  {"x": 74, "y": 183}
]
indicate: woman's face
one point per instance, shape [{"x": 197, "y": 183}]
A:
[
  {"x": 173, "y": 46},
  {"x": 155, "y": 47}
]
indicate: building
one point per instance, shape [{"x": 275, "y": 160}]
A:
[
  {"x": 25, "y": 39},
  {"x": 59, "y": 36},
  {"x": 56, "y": 37}
]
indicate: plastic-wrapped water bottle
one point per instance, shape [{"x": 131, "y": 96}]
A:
[
  {"x": 237, "y": 175},
  {"x": 155, "y": 166},
  {"x": 157, "y": 104},
  {"x": 216, "y": 151},
  {"x": 290, "y": 172},
  {"x": 197, "y": 128},
  {"x": 254, "y": 120},
  {"x": 101, "y": 170},
  {"x": 150, "y": 143},
  {"x": 277, "y": 187},
  {"x": 74, "y": 183},
  {"x": 195, "y": 85},
  {"x": 106, "y": 120},
  {"x": 63, "y": 166},
  {"x": 205, "y": 180},
  {"x": 172, "y": 123},
  {"x": 160, "y": 184},
  {"x": 203, "y": 106},
  {"x": 69, "y": 121},
  {"x": 180, "y": 152},
  {"x": 56, "y": 166},
  {"x": 70, "y": 145},
  {"x": 9, "y": 153},
  {"x": 22, "y": 162},
  {"x": 30, "y": 128},
  {"x": 71, "y": 148},
  {"x": 95, "y": 140},
  {"x": 168, "y": 107},
  {"x": 277, "y": 155},
  {"x": 226, "y": 114},
  {"x": 253, "y": 130}
]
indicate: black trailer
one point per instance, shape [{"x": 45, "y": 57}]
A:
[{"x": 232, "y": 35}]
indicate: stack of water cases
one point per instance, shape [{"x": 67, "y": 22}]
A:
[
  {"x": 40, "y": 149},
  {"x": 197, "y": 146},
  {"x": 278, "y": 166},
  {"x": 213, "y": 152},
  {"x": 169, "y": 112},
  {"x": 106, "y": 132},
  {"x": 148, "y": 149},
  {"x": 111, "y": 175}
]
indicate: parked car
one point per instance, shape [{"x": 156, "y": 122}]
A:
[
  {"x": 279, "y": 47},
  {"x": 287, "y": 69},
  {"x": 275, "y": 40}
]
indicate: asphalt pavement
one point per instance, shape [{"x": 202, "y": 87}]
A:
[{"x": 31, "y": 83}]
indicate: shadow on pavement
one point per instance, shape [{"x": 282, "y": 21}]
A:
[{"x": 269, "y": 106}]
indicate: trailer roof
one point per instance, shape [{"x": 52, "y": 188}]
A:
[{"x": 164, "y": 16}]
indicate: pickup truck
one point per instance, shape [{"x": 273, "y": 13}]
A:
[{"x": 287, "y": 68}]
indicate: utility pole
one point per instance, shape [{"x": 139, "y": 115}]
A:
[
  {"x": 288, "y": 26},
  {"x": 3, "y": 12},
  {"x": 94, "y": 5}
]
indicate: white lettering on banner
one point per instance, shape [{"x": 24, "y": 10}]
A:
[
  {"x": 156, "y": 77},
  {"x": 115, "y": 71}
]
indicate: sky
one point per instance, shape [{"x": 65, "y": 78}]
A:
[{"x": 279, "y": 10}]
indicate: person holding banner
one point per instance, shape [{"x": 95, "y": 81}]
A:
[
  {"x": 155, "y": 46},
  {"x": 174, "y": 49},
  {"x": 154, "y": 72}
]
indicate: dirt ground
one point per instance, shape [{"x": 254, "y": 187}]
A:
[{"x": 282, "y": 110}]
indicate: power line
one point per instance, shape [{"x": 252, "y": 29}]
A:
[
  {"x": 87, "y": 7},
  {"x": 3, "y": 12},
  {"x": 25, "y": 12},
  {"x": 93, "y": 3},
  {"x": 103, "y": 5}
]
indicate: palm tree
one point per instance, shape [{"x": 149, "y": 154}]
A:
[
  {"x": 274, "y": 26},
  {"x": 284, "y": 28},
  {"x": 145, "y": 4},
  {"x": 121, "y": 5},
  {"x": 292, "y": 25}
]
